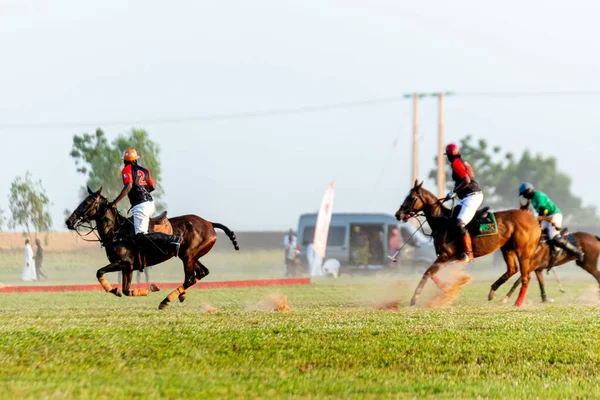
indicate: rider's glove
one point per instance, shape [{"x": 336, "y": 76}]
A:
[{"x": 450, "y": 195}]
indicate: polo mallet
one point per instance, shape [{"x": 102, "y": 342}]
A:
[{"x": 560, "y": 286}]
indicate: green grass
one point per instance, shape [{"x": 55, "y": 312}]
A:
[{"x": 332, "y": 344}]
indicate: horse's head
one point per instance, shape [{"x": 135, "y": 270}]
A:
[
  {"x": 412, "y": 204},
  {"x": 88, "y": 210}
]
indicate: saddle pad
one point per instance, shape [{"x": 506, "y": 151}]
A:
[{"x": 485, "y": 226}]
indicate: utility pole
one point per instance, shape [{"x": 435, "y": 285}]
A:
[
  {"x": 441, "y": 173},
  {"x": 415, "y": 148}
]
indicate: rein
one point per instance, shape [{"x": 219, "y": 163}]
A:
[{"x": 117, "y": 226}]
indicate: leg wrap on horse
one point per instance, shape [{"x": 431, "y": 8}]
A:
[
  {"x": 175, "y": 293},
  {"x": 107, "y": 286},
  {"x": 138, "y": 292}
]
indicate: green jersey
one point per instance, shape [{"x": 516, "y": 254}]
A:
[{"x": 542, "y": 204}]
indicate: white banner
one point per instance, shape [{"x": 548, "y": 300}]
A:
[{"x": 322, "y": 230}]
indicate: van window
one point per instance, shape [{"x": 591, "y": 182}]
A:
[{"x": 336, "y": 237}]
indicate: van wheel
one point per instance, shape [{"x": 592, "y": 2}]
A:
[{"x": 420, "y": 267}]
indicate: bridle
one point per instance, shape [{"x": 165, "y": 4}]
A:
[
  {"x": 82, "y": 221},
  {"x": 408, "y": 210}
]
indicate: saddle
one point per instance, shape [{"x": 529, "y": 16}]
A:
[
  {"x": 482, "y": 224},
  {"x": 160, "y": 224}
]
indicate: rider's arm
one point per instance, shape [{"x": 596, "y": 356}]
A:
[
  {"x": 151, "y": 185},
  {"x": 127, "y": 184},
  {"x": 126, "y": 188}
]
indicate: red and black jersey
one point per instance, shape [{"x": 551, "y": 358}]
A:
[
  {"x": 142, "y": 183},
  {"x": 460, "y": 170}
]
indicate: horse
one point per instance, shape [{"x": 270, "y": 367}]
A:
[
  {"x": 518, "y": 234},
  {"x": 590, "y": 244},
  {"x": 115, "y": 233}
]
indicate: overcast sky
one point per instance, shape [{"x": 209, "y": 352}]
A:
[{"x": 70, "y": 61}]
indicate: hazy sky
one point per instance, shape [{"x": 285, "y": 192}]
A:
[{"x": 69, "y": 61}]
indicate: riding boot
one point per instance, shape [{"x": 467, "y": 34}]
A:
[
  {"x": 566, "y": 245},
  {"x": 467, "y": 247},
  {"x": 168, "y": 244}
]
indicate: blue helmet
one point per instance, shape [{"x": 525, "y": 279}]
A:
[{"x": 523, "y": 187}]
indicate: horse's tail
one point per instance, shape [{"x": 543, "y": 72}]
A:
[{"x": 230, "y": 234}]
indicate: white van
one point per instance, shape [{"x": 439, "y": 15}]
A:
[{"x": 359, "y": 242}]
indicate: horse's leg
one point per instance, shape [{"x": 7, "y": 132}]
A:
[
  {"x": 510, "y": 259},
  {"x": 430, "y": 273},
  {"x": 200, "y": 272},
  {"x": 127, "y": 279},
  {"x": 112, "y": 267},
  {"x": 189, "y": 280},
  {"x": 524, "y": 262},
  {"x": 511, "y": 291},
  {"x": 540, "y": 278}
]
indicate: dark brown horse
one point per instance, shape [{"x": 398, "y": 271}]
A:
[
  {"x": 518, "y": 236},
  {"x": 590, "y": 244},
  {"x": 116, "y": 236}
]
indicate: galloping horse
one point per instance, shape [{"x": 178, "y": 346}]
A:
[
  {"x": 518, "y": 234},
  {"x": 116, "y": 236},
  {"x": 590, "y": 244}
]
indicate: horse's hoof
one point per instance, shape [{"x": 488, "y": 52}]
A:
[
  {"x": 504, "y": 300},
  {"x": 117, "y": 292},
  {"x": 182, "y": 297},
  {"x": 413, "y": 302},
  {"x": 153, "y": 288},
  {"x": 491, "y": 295},
  {"x": 163, "y": 305}
]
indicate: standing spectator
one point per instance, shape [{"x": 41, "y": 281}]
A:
[
  {"x": 286, "y": 243},
  {"x": 28, "y": 269},
  {"x": 291, "y": 253},
  {"x": 146, "y": 273},
  {"x": 39, "y": 257}
]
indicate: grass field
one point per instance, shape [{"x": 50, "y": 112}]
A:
[{"x": 333, "y": 343}]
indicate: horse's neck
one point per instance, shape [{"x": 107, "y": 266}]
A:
[
  {"x": 436, "y": 215},
  {"x": 106, "y": 225}
]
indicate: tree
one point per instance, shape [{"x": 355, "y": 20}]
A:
[
  {"x": 2, "y": 219},
  {"x": 101, "y": 161},
  {"x": 500, "y": 174},
  {"x": 29, "y": 205}
]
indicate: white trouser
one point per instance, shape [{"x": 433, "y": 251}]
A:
[
  {"x": 469, "y": 206},
  {"x": 552, "y": 231},
  {"x": 141, "y": 216}
]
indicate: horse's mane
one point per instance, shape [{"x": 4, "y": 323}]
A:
[{"x": 119, "y": 219}]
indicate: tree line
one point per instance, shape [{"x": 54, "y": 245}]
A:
[
  {"x": 500, "y": 172},
  {"x": 100, "y": 160}
]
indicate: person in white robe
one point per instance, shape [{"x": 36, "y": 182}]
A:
[{"x": 29, "y": 267}]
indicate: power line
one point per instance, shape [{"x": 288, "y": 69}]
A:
[
  {"x": 211, "y": 117},
  {"x": 286, "y": 111}
]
